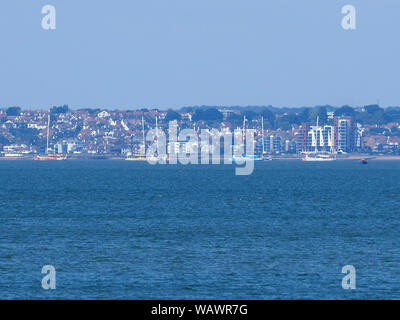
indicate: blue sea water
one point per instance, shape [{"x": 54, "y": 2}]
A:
[{"x": 129, "y": 230}]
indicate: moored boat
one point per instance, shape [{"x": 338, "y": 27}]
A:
[
  {"x": 139, "y": 156},
  {"x": 50, "y": 157},
  {"x": 136, "y": 157},
  {"x": 245, "y": 157},
  {"x": 318, "y": 157}
]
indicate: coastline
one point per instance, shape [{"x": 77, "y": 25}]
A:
[{"x": 355, "y": 157}]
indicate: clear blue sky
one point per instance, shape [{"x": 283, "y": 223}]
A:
[{"x": 170, "y": 53}]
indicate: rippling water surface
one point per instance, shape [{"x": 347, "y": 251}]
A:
[{"x": 127, "y": 230}]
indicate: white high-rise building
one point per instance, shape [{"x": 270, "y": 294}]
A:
[{"x": 320, "y": 138}]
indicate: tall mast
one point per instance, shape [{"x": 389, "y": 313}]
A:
[
  {"x": 316, "y": 135},
  {"x": 262, "y": 133},
  {"x": 157, "y": 132},
  {"x": 144, "y": 141},
  {"x": 48, "y": 133},
  {"x": 244, "y": 129}
]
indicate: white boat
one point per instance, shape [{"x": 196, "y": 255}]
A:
[
  {"x": 50, "y": 157},
  {"x": 266, "y": 158},
  {"x": 318, "y": 157},
  {"x": 245, "y": 157}
]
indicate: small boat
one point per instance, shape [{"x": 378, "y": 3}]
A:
[
  {"x": 137, "y": 157},
  {"x": 50, "y": 157},
  {"x": 364, "y": 161},
  {"x": 245, "y": 157},
  {"x": 318, "y": 157},
  {"x": 267, "y": 159}
]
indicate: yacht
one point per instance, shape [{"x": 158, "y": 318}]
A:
[
  {"x": 318, "y": 157},
  {"x": 49, "y": 156},
  {"x": 139, "y": 156}
]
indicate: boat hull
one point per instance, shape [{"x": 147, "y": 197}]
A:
[
  {"x": 50, "y": 158},
  {"x": 317, "y": 160},
  {"x": 136, "y": 159}
]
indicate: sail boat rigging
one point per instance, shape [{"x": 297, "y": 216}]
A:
[
  {"x": 49, "y": 156},
  {"x": 140, "y": 156}
]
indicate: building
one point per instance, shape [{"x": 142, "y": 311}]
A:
[
  {"x": 272, "y": 144},
  {"x": 320, "y": 138},
  {"x": 301, "y": 138},
  {"x": 173, "y": 147},
  {"x": 344, "y": 134},
  {"x": 68, "y": 146}
]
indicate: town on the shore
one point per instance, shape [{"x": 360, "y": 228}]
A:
[{"x": 279, "y": 132}]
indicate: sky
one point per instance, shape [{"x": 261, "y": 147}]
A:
[{"x": 172, "y": 53}]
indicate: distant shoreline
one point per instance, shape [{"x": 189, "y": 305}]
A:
[{"x": 282, "y": 158}]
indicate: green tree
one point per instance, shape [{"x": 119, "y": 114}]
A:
[
  {"x": 269, "y": 118},
  {"x": 282, "y": 123},
  {"x": 344, "y": 111},
  {"x": 26, "y": 135},
  {"x": 250, "y": 115},
  {"x": 59, "y": 109},
  {"x": 372, "y": 108},
  {"x": 172, "y": 115},
  {"x": 13, "y": 111},
  {"x": 304, "y": 115},
  {"x": 211, "y": 114},
  {"x": 320, "y": 114}
]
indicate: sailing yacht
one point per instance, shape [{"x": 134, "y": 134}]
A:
[
  {"x": 157, "y": 156},
  {"x": 49, "y": 156},
  {"x": 318, "y": 157},
  {"x": 143, "y": 156},
  {"x": 264, "y": 156},
  {"x": 245, "y": 157},
  {"x": 139, "y": 156}
]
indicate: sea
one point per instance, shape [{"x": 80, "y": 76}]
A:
[{"x": 130, "y": 230}]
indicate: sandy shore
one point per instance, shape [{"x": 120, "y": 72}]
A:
[
  {"x": 348, "y": 157},
  {"x": 385, "y": 158}
]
